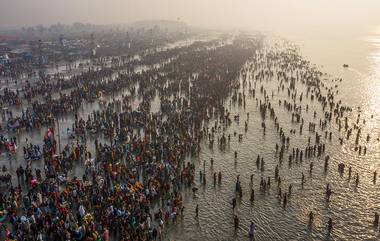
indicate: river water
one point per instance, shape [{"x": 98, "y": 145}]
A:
[{"x": 351, "y": 208}]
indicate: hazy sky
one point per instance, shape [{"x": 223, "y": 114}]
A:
[{"x": 282, "y": 16}]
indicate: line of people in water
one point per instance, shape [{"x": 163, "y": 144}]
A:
[{"x": 257, "y": 72}]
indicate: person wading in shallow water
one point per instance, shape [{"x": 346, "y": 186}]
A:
[
  {"x": 311, "y": 219},
  {"x": 236, "y": 222},
  {"x": 233, "y": 203},
  {"x": 376, "y": 221},
  {"x": 251, "y": 231},
  {"x": 329, "y": 226}
]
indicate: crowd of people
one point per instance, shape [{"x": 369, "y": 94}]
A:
[
  {"x": 132, "y": 185},
  {"x": 138, "y": 166}
]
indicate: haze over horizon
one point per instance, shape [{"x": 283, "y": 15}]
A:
[{"x": 322, "y": 17}]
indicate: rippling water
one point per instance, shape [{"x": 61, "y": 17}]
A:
[{"x": 351, "y": 209}]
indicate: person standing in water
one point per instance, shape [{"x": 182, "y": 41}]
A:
[
  {"x": 329, "y": 226},
  {"x": 251, "y": 231},
  {"x": 376, "y": 221},
  {"x": 236, "y": 222},
  {"x": 233, "y": 203},
  {"x": 374, "y": 177},
  {"x": 311, "y": 219},
  {"x": 252, "y": 195}
]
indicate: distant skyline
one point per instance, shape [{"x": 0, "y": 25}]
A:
[{"x": 285, "y": 16}]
